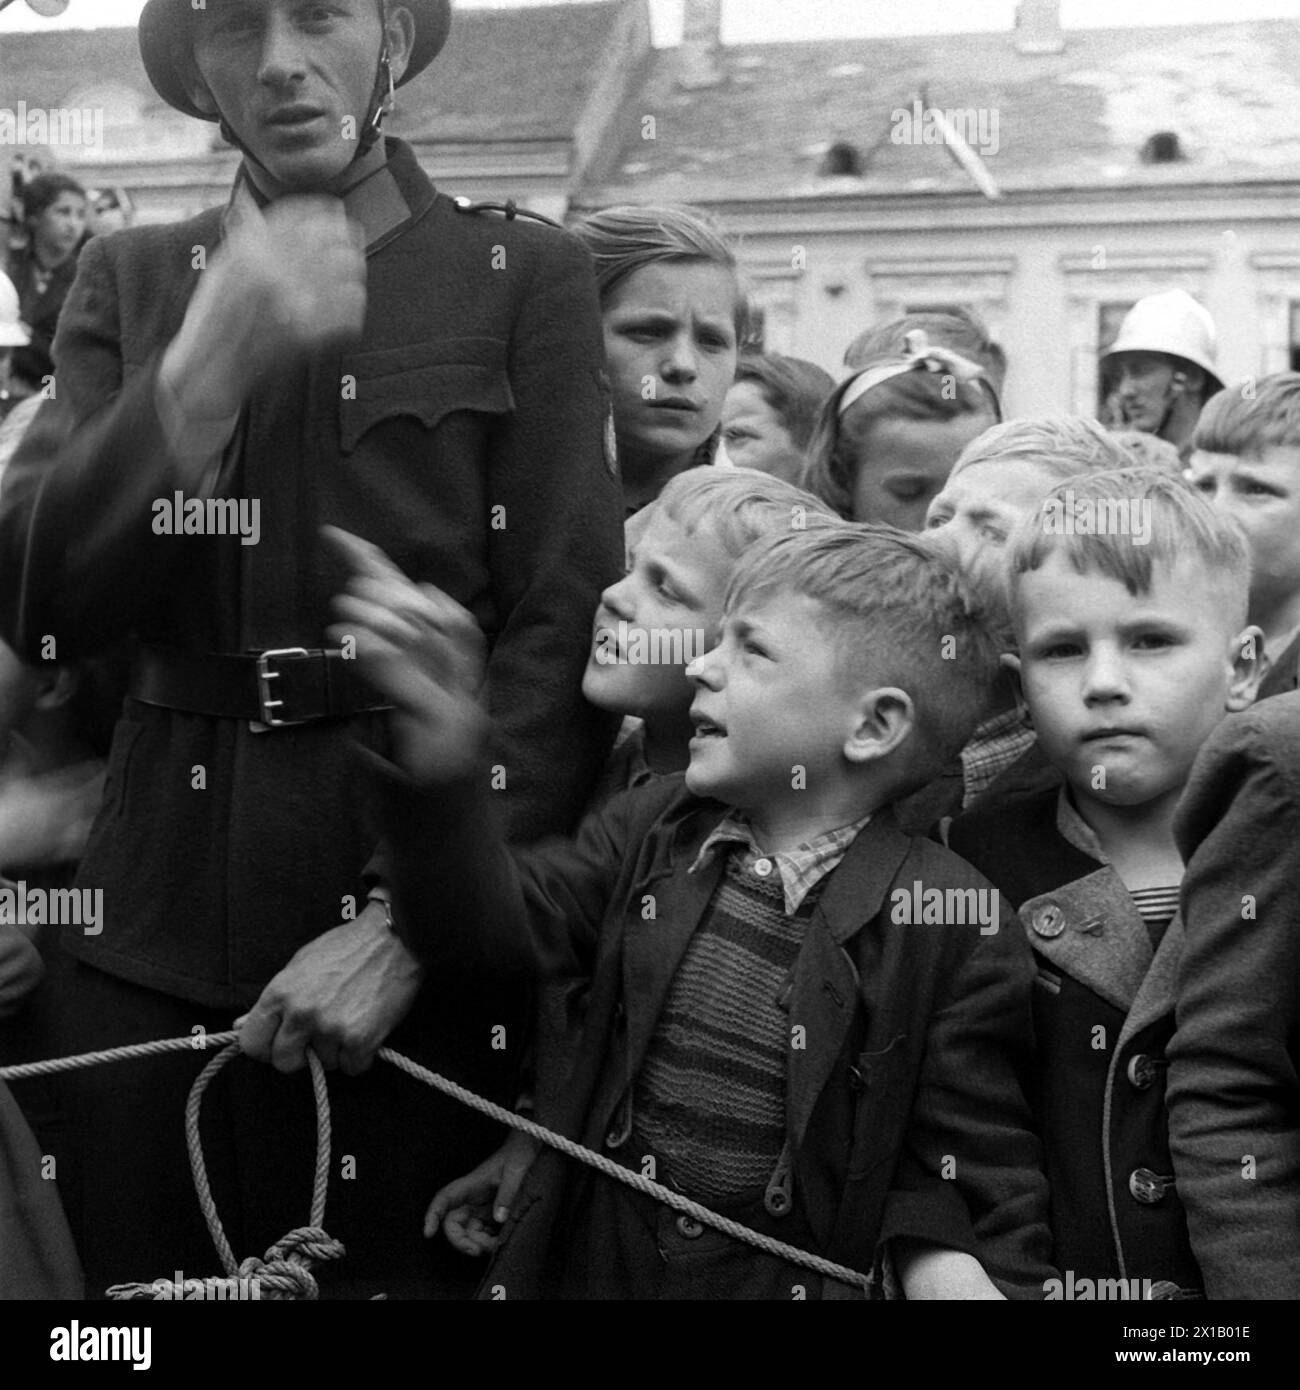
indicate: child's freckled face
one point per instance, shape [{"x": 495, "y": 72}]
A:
[
  {"x": 1261, "y": 492},
  {"x": 1123, "y": 689},
  {"x": 667, "y": 606},
  {"x": 769, "y": 699}
]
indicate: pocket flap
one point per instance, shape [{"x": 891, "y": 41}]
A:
[{"x": 426, "y": 383}]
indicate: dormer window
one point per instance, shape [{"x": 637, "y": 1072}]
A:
[
  {"x": 841, "y": 160},
  {"x": 1162, "y": 148}
]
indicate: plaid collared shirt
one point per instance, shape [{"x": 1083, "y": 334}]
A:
[
  {"x": 801, "y": 869},
  {"x": 994, "y": 746}
]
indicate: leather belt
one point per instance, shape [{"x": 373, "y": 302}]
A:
[{"x": 275, "y": 689}]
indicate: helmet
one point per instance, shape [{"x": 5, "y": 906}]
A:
[
  {"x": 164, "y": 46},
  {"x": 1172, "y": 323},
  {"x": 12, "y": 332}
]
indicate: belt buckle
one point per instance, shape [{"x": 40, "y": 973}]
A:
[{"x": 266, "y": 702}]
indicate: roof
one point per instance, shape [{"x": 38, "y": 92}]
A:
[
  {"x": 504, "y": 74},
  {"x": 1075, "y": 119},
  {"x": 520, "y": 74}
]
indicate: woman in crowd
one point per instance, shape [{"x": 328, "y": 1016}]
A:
[{"x": 54, "y": 217}]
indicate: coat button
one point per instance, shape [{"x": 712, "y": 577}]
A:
[
  {"x": 1148, "y": 1187},
  {"x": 1141, "y": 1071},
  {"x": 763, "y": 867},
  {"x": 1048, "y": 920},
  {"x": 689, "y": 1227}
]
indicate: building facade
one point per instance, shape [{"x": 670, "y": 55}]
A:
[{"x": 1045, "y": 178}]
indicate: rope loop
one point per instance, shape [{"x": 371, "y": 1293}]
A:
[{"x": 286, "y": 1266}]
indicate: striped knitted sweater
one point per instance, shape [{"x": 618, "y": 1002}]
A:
[{"x": 710, "y": 1098}]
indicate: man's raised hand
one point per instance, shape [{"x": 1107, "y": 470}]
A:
[{"x": 286, "y": 282}]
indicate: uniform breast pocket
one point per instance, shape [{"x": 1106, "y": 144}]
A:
[{"x": 422, "y": 386}]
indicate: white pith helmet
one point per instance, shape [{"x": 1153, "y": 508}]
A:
[{"x": 1173, "y": 323}]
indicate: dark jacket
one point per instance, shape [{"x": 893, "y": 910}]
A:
[
  {"x": 39, "y": 309},
  {"x": 463, "y": 434},
  {"x": 1234, "y": 1064},
  {"x": 39, "y": 1259},
  {"x": 941, "y": 799},
  {"x": 1103, "y": 1015},
  {"x": 1283, "y": 674},
  {"x": 914, "y": 1033}
]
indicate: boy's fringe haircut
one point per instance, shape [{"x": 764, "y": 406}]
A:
[
  {"x": 1248, "y": 421},
  {"x": 901, "y": 615},
  {"x": 629, "y": 237},
  {"x": 1183, "y": 524},
  {"x": 739, "y": 505},
  {"x": 836, "y": 454},
  {"x": 1064, "y": 445}
]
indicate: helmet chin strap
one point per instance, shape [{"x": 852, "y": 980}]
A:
[
  {"x": 1174, "y": 392},
  {"x": 382, "y": 100}
]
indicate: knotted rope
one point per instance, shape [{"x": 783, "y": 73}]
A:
[
  {"x": 285, "y": 1271},
  {"x": 287, "y": 1263}
]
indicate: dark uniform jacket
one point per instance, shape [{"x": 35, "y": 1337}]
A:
[
  {"x": 1234, "y": 1064},
  {"x": 1103, "y": 1014},
  {"x": 463, "y": 434},
  {"x": 905, "y": 1111}
]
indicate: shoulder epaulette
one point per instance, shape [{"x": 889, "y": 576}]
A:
[{"x": 509, "y": 209}]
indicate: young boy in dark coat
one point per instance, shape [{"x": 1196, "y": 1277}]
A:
[
  {"x": 1234, "y": 1097},
  {"x": 798, "y": 1015},
  {"x": 663, "y": 613},
  {"x": 1128, "y": 596}
]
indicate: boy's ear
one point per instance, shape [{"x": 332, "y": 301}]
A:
[
  {"x": 1248, "y": 667},
  {"x": 885, "y": 719},
  {"x": 1010, "y": 662}
]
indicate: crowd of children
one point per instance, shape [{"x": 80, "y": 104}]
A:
[{"x": 935, "y": 913}]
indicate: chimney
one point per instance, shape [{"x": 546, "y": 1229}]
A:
[
  {"x": 1038, "y": 27},
  {"x": 699, "y": 64}
]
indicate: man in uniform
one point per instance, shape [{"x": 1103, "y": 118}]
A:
[
  {"x": 341, "y": 344},
  {"x": 1161, "y": 367}
]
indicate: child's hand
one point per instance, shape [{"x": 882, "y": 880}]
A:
[
  {"x": 466, "y": 1207},
  {"x": 931, "y": 1272},
  {"x": 421, "y": 650}
]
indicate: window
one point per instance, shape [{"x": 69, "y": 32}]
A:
[
  {"x": 1162, "y": 148},
  {"x": 841, "y": 160},
  {"x": 757, "y": 336}
]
